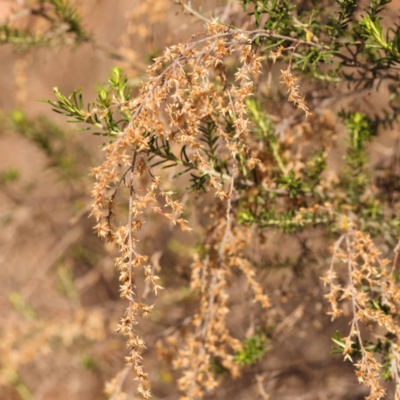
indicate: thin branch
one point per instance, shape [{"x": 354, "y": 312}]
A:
[{"x": 130, "y": 221}]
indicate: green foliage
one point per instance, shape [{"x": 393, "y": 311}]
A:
[
  {"x": 67, "y": 14},
  {"x": 20, "y": 386},
  {"x": 89, "y": 362},
  {"x": 254, "y": 348},
  {"x": 64, "y": 26},
  {"x": 100, "y": 113},
  {"x": 356, "y": 178},
  {"x": 161, "y": 151},
  {"x": 19, "y": 303},
  {"x": 292, "y": 183},
  {"x": 18, "y": 38},
  {"x": 340, "y": 22},
  {"x": 382, "y": 347},
  {"x": 66, "y": 283},
  {"x": 8, "y": 176},
  {"x": 108, "y": 116},
  {"x": 345, "y": 45},
  {"x": 288, "y": 221},
  {"x": 264, "y": 131},
  {"x": 315, "y": 166},
  {"x": 56, "y": 143},
  {"x": 254, "y": 210},
  {"x": 373, "y": 31},
  {"x": 218, "y": 369},
  {"x": 279, "y": 13}
]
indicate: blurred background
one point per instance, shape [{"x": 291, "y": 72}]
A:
[{"x": 59, "y": 299}]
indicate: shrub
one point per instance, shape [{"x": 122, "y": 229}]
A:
[{"x": 208, "y": 112}]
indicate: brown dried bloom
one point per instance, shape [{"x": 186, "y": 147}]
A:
[
  {"x": 187, "y": 87},
  {"x": 294, "y": 95},
  {"x": 211, "y": 339},
  {"x": 367, "y": 277}
]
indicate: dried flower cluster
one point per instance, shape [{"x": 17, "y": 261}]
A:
[
  {"x": 373, "y": 295},
  {"x": 211, "y": 341},
  {"x": 192, "y": 90}
]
